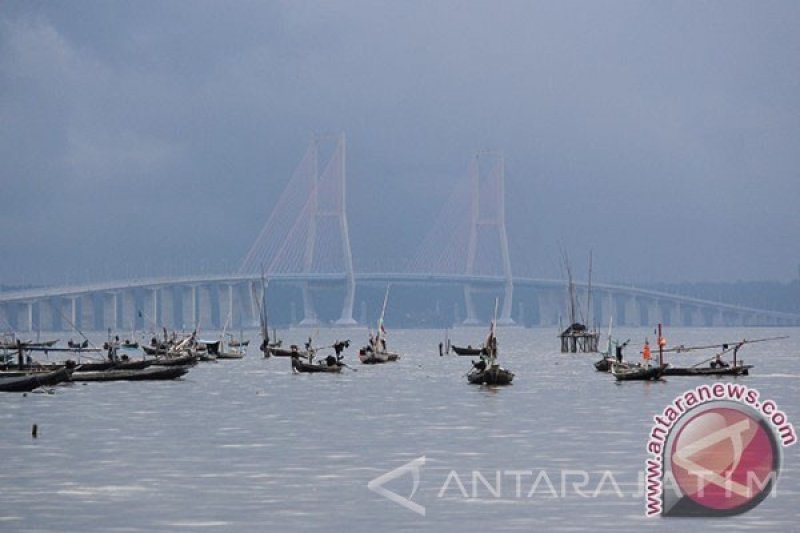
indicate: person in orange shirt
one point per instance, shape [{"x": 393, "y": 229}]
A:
[{"x": 646, "y": 351}]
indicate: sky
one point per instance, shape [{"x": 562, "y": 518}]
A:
[{"x": 143, "y": 138}]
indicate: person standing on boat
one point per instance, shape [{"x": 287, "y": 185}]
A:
[{"x": 646, "y": 351}]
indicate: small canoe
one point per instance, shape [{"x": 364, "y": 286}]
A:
[
  {"x": 311, "y": 368},
  {"x": 152, "y": 373},
  {"x": 624, "y": 372},
  {"x": 369, "y": 357},
  {"x": 26, "y": 382},
  {"x": 177, "y": 360},
  {"x": 469, "y": 350},
  {"x": 738, "y": 370},
  {"x": 494, "y": 375}
]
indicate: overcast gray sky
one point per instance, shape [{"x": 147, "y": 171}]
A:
[{"x": 156, "y": 136}]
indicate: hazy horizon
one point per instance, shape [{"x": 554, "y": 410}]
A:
[{"x": 155, "y": 137}]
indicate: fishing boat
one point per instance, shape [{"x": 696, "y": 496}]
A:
[
  {"x": 217, "y": 350},
  {"x": 613, "y": 353},
  {"x": 483, "y": 373},
  {"x": 184, "y": 359},
  {"x": 292, "y": 351},
  {"x": 375, "y": 351},
  {"x": 645, "y": 371},
  {"x": 28, "y": 381},
  {"x": 628, "y": 372},
  {"x": 487, "y": 371},
  {"x": 152, "y": 373},
  {"x": 716, "y": 365},
  {"x": 10, "y": 342},
  {"x": 267, "y": 347},
  {"x": 469, "y": 350},
  {"x": 330, "y": 364}
]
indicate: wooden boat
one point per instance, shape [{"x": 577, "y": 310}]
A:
[
  {"x": 624, "y": 371},
  {"x": 266, "y": 347},
  {"x": 185, "y": 359},
  {"x": 131, "y": 345},
  {"x": 738, "y": 370},
  {"x": 487, "y": 371},
  {"x": 330, "y": 364},
  {"x": 627, "y": 372},
  {"x": 469, "y": 350},
  {"x": 375, "y": 351},
  {"x": 28, "y": 381},
  {"x": 216, "y": 350},
  {"x": 490, "y": 375},
  {"x": 717, "y": 366},
  {"x": 612, "y": 355},
  {"x": 116, "y": 364},
  {"x": 293, "y": 351},
  {"x": 368, "y": 356},
  {"x": 155, "y": 350},
  {"x": 153, "y": 373},
  {"x": 604, "y": 364}
]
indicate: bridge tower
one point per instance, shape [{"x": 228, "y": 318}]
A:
[
  {"x": 307, "y": 232},
  {"x": 469, "y": 237}
]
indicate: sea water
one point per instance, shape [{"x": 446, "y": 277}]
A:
[{"x": 246, "y": 445}]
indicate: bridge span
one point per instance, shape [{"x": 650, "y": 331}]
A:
[{"x": 209, "y": 301}]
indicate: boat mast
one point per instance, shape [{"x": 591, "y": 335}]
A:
[
  {"x": 493, "y": 338},
  {"x": 379, "y": 334},
  {"x": 589, "y": 295}
]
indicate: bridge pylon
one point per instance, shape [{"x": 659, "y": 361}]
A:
[
  {"x": 307, "y": 232},
  {"x": 469, "y": 237}
]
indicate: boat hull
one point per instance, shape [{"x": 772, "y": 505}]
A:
[
  {"x": 491, "y": 376},
  {"x": 738, "y": 370},
  {"x": 152, "y": 373},
  {"x": 376, "y": 358},
  {"x": 638, "y": 373},
  {"x": 466, "y": 351},
  {"x": 31, "y": 381},
  {"x": 315, "y": 368}
]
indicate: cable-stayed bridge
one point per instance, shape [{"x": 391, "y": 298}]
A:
[{"x": 306, "y": 244}]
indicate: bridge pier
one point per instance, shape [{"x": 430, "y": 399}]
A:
[
  {"x": 98, "y": 311},
  {"x": 75, "y": 315},
  {"x": 110, "y": 311},
  {"x": 630, "y": 311},
  {"x": 550, "y": 306},
  {"x": 469, "y": 305},
  {"x": 607, "y": 308},
  {"x": 508, "y": 301},
  {"x": 346, "y": 318},
  {"x": 309, "y": 313}
]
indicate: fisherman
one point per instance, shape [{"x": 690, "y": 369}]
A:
[
  {"x": 718, "y": 362},
  {"x": 339, "y": 347},
  {"x": 646, "y": 351},
  {"x": 621, "y": 347},
  {"x": 331, "y": 360},
  {"x": 441, "y": 349}
]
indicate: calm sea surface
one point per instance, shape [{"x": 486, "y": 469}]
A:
[{"x": 248, "y": 446}]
